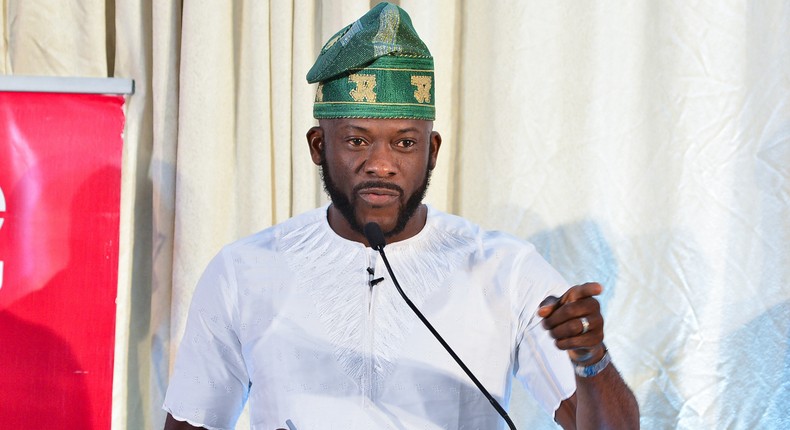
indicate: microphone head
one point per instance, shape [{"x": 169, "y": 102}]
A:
[{"x": 374, "y": 235}]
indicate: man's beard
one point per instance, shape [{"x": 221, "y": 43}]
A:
[{"x": 346, "y": 206}]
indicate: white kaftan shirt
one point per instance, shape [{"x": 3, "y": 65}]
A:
[{"x": 286, "y": 319}]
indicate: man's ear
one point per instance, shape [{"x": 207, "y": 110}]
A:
[
  {"x": 436, "y": 143},
  {"x": 315, "y": 141}
]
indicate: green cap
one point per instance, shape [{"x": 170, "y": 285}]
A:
[{"x": 376, "y": 67}]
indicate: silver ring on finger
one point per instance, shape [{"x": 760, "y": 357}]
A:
[{"x": 585, "y": 324}]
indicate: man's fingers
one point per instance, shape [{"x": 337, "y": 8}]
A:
[
  {"x": 582, "y": 291},
  {"x": 574, "y": 320},
  {"x": 571, "y": 335},
  {"x": 574, "y": 294},
  {"x": 548, "y": 305},
  {"x": 587, "y": 306},
  {"x": 575, "y": 327},
  {"x": 586, "y": 340}
]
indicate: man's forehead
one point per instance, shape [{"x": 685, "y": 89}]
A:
[{"x": 398, "y": 125}]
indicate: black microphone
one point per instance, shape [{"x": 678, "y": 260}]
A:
[
  {"x": 376, "y": 240},
  {"x": 375, "y": 236}
]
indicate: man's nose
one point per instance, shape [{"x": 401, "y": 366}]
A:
[{"x": 380, "y": 161}]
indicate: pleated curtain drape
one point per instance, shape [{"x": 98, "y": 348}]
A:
[{"x": 645, "y": 145}]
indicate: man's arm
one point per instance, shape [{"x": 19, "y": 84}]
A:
[{"x": 601, "y": 401}]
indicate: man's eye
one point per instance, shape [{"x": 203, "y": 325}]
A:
[
  {"x": 356, "y": 141},
  {"x": 406, "y": 143}
]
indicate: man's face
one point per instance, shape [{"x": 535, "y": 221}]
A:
[{"x": 376, "y": 170}]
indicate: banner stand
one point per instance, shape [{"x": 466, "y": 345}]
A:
[
  {"x": 68, "y": 85},
  {"x": 61, "y": 146}
]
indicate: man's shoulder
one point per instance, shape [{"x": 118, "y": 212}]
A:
[
  {"x": 466, "y": 229},
  {"x": 271, "y": 238},
  {"x": 462, "y": 239}
]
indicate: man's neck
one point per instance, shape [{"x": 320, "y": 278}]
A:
[{"x": 340, "y": 225}]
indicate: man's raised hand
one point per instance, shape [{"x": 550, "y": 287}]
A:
[{"x": 574, "y": 320}]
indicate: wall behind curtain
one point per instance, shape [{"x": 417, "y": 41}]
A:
[{"x": 645, "y": 145}]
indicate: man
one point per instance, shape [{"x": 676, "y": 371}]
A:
[{"x": 303, "y": 320}]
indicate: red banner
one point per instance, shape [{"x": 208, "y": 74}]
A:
[{"x": 60, "y": 181}]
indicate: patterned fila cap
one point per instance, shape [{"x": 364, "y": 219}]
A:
[{"x": 376, "y": 67}]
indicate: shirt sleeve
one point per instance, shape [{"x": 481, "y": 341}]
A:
[
  {"x": 543, "y": 369},
  {"x": 209, "y": 384}
]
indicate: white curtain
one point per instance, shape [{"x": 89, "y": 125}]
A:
[{"x": 643, "y": 144}]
